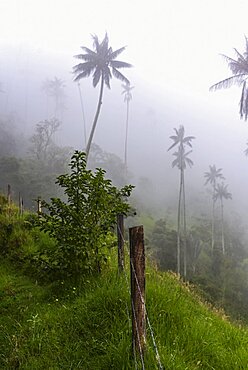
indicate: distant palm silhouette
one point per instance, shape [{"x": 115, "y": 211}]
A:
[
  {"x": 221, "y": 193},
  {"x": 101, "y": 63},
  {"x": 211, "y": 177},
  {"x": 181, "y": 161},
  {"x": 127, "y": 98}
]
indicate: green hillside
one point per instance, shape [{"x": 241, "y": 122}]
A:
[{"x": 60, "y": 326}]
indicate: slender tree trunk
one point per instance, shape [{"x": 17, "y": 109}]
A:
[
  {"x": 222, "y": 227},
  {"x": 127, "y": 118},
  {"x": 184, "y": 230},
  {"x": 95, "y": 119},
  {"x": 82, "y": 108},
  {"x": 179, "y": 227},
  {"x": 213, "y": 218},
  {"x": 56, "y": 106}
]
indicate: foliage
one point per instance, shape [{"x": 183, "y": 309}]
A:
[
  {"x": 164, "y": 240},
  {"x": 239, "y": 69},
  {"x": 111, "y": 163},
  {"x": 181, "y": 161},
  {"x": 42, "y": 139},
  {"x": 55, "y": 89},
  {"x": 82, "y": 224},
  {"x": 86, "y": 326}
]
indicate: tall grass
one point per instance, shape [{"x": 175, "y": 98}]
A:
[{"x": 61, "y": 326}]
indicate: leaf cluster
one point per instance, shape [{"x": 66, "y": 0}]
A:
[{"x": 82, "y": 222}]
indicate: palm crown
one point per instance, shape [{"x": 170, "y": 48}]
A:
[
  {"x": 100, "y": 62},
  {"x": 181, "y": 161},
  {"x": 213, "y": 175},
  {"x": 180, "y": 139},
  {"x": 127, "y": 92},
  {"x": 239, "y": 69},
  {"x": 221, "y": 192}
]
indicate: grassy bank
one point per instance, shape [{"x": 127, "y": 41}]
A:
[{"x": 61, "y": 326}]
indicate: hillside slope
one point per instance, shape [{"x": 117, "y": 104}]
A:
[{"x": 59, "y": 326}]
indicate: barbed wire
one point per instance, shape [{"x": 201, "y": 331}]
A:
[{"x": 144, "y": 304}]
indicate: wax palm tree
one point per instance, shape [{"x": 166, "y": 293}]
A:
[
  {"x": 181, "y": 161},
  {"x": 212, "y": 176},
  {"x": 127, "y": 98},
  {"x": 55, "y": 88},
  {"x": 101, "y": 63},
  {"x": 221, "y": 193},
  {"x": 239, "y": 69},
  {"x": 83, "y": 114}
]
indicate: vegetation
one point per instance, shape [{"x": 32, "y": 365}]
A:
[
  {"x": 239, "y": 69},
  {"x": 63, "y": 304},
  {"x": 181, "y": 162},
  {"x": 81, "y": 225},
  {"x": 222, "y": 193},
  {"x": 100, "y": 62},
  {"x": 127, "y": 98},
  {"x": 86, "y": 325},
  {"x": 212, "y": 176}
]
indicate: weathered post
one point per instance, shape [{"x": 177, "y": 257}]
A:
[
  {"x": 9, "y": 194},
  {"x": 120, "y": 238},
  {"x": 20, "y": 204},
  {"x": 137, "y": 266},
  {"x": 39, "y": 206}
]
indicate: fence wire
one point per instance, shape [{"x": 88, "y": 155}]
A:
[{"x": 143, "y": 302}]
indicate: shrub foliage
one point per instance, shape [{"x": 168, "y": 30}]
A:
[{"x": 81, "y": 224}]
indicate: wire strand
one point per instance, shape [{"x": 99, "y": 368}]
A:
[{"x": 143, "y": 302}]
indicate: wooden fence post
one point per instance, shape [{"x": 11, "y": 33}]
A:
[
  {"x": 20, "y": 204},
  {"x": 137, "y": 266},
  {"x": 39, "y": 206},
  {"x": 120, "y": 238},
  {"x": 9, "y": 194}
]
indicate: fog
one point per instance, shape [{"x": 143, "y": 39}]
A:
[{"x": 174, "y": 48}]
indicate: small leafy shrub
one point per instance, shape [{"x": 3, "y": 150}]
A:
[{"x": 80, "y": 225}]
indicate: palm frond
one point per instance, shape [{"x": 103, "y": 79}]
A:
[
  {"x": 241, "y": 110},
  {"x": 189, "y": 162},
  {"x": 96, "y": 42},
  {"x": 114, "y": 54},
  {"x": 118, "y": 64},
  {"x": 87, "y": 66},
  {"x": 88, "y": 51},
  {"x": 107, "y": 76},
  {"x": 228, "y": 82},
  {"x": 119, "y": 75},
  {"x": 96, "y": 76},
  {"x": 172, "y": 146},
  {"x": 82, "y": 75},
  {"x": 86, "y": 57},
  {"x": 245, "y": 107},
  {"x": 240, "y": 56}
]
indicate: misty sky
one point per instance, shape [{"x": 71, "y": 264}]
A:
[{"x": 175, "y": 48}]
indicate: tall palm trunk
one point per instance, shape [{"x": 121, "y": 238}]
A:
[
  {"x": 213, "y": 218},
  {"x": 95, "y": 119},
  {"x": 179, "y": 211},
  {"x": 184, "y": 231},
  {"x": 82, "y": 109},
  {"x": 127, "y": 118},
  {"x": 222, "y": 228}
]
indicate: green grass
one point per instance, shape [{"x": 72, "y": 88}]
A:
[{"x": 61, "y": 326}]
